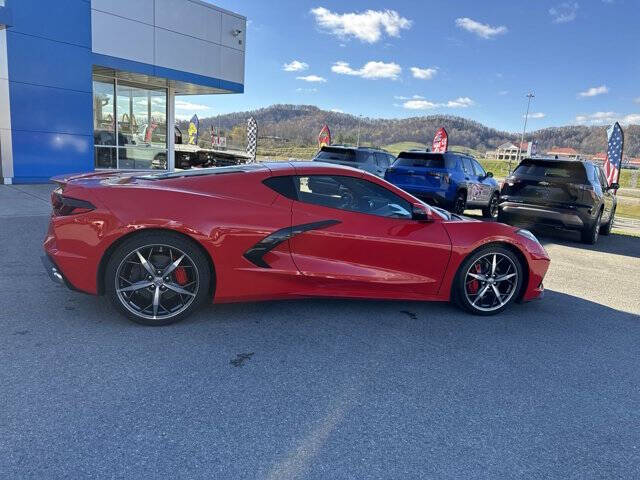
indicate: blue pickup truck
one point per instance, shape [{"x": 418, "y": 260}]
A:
[{"x": 451, "y": 180}]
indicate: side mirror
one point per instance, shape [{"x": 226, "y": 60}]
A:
[
  {"x": 421, "y": 213},
  {"x": 490, "y": 174},
  {"x": 613, "y": 186}
]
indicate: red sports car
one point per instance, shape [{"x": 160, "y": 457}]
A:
[{"x": 161, "y": 244}]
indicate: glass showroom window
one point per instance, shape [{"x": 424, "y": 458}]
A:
[
  {"x": 104, "y": 128},
  {"x": 142, "y": 127},
  {"x": 129, "y": 125}
]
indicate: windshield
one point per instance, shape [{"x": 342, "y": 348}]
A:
[
  {"x": 420, "y": 159},
  {"x": 574, "y": 171}
]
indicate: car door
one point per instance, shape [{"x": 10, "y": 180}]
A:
[
  {"x": 471, "y": 179},
  {"x": 607, "y": 195},
  {"x": 485, "y": 184},
  {"x": 366, "y": 242}
]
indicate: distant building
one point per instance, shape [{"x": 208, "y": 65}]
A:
[
  {"x": 599, "y": 158},
  {"x": 509, "y": 151},
  {"x": 564, "y": 153}
]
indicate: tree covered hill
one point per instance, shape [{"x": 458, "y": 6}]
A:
[{"x": 300, "y": 125}]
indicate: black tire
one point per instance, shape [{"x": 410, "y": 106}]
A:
[
  {"x": 460, "y": 292},
  {"x": 491, "y": 210},
  {"x": 590, "y": 234},
  {"x": 197, "y": 262},
  {"x": 459, "y": 203},
  {"x": 606, "y": 228}
]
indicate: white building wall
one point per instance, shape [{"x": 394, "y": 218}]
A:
[
  {"x": 185, "y": 35},
  {"x": 6, "y": 150}
]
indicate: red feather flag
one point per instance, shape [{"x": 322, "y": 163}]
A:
[
  {"x": 440, "y": 141},
  {"x": 324, "y": 137}
]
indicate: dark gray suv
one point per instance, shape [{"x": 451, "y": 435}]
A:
[
  {"x": 372, "y": 160},
  {"x": 567, "y": 194}
]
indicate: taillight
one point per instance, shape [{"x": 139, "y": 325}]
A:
[{"x": 63, "y": 206}]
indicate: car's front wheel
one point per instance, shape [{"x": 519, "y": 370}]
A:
[
  {"x": 157, "y": 278},
  {"x": 488, "y": 280}
]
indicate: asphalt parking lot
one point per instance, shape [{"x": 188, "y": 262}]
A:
[{"x": 320, "y": 389}]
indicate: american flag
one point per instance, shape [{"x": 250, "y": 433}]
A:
[{"x": 614, "y": 153}]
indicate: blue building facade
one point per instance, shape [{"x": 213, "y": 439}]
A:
[{"x": 83, "y": 81}]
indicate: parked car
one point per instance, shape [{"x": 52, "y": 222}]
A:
[
  {"x": 567, "y": 194},
  {"x": 276, "y": 230},
  {"x": 454, "y": 181},
  {"x": 372, "y": 160}
]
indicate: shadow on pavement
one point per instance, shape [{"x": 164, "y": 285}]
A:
[{"x": 614, "y": 243}]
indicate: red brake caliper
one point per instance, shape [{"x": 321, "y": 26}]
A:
[
  {"x": 474, "y": 284},
  {"x": 181, "y": 276}
]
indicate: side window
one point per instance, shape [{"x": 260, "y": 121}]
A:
[
  {"x": 604, "y": 183},
  {"x": 466, "y": 165},
  {"x": 382, "y": 160},
  {"x": 478, "y": 169},
  {"x": 351, "y": 194},
  {"x": 283, "y": 185},
  {"x": 390, "y": 159},
  {"x": 366, "y": 158}
]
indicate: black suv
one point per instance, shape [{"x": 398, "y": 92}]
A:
[
  {"x": 372, "y": 160},
  {"x": 567, "y": 194}
]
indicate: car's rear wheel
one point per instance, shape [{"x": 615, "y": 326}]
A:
[
  {"x": 460, "y": 203},
  {"x": 590, "y": 234},
  {"x": 157, "y": 278},
  {"x": 491, "y": 210},
  {"x": 606, "y": 228},
  {"x": 488, "y": 280}
]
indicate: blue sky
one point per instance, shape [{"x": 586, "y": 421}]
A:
[{"x": 476, "y": 59}]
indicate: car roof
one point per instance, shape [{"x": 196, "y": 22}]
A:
[
  {"x": 353, "y": 147},
  {"x": 552, "y": 159}
]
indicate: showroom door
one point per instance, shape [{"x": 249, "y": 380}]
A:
[{"x": 364, "y": 241}]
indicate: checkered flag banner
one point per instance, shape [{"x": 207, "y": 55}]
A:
[{"x": 252, "y": 138}]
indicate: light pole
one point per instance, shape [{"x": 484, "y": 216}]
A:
[
  {"x": 530, "y": 95},
  {"x": 359, "y": 120}
]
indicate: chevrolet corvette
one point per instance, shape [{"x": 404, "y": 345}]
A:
[{"x": 161, "y": 244}]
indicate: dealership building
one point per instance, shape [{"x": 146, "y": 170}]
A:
[{"x": 89, "y": 85}]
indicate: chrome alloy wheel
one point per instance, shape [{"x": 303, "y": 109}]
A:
[
  {"x": 157, "y": 282},
  {"x": 490, "y": 282}
]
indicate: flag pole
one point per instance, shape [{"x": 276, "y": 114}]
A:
[{"x": 530, "y": 95}]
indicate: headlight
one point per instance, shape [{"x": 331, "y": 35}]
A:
[{"x": 528, "y": 234}]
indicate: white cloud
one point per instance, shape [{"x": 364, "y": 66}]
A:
[
  {"x": 414, "y": 97},
  {"x": 312, "y": 79},
  {"x": 536, "y": 115},
  {"x": 306, "y": 90},
  {"x": 503, "y": 92},
  {"x": 422, "y": 104},
  {"x": 184, "y": 105},
  {"x": 337, "y": 110},
  {"x": 565, "y": 12},
  {"x": 607, "y": 118},
  {"x": 295, "y": 66},
  {"x": 424, "y": 73},
  {"x": 460, "y": 102},
  {"x": 371, "y": 70},
  {"x": 183, "y": 116},
  {"x": 483, "y": 30},
  {"x": 366, "y": 26},
  {"x": 636, "y": 100},
  {"x": 593, "y": 91}
]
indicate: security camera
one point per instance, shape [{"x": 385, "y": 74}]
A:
[{"x": 236, "y": 32}]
